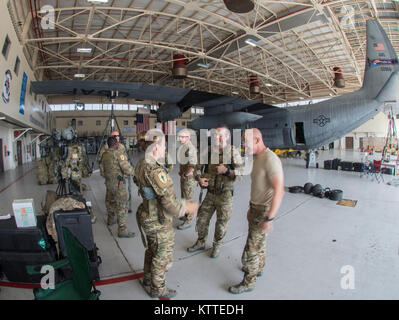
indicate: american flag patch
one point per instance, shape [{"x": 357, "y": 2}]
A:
[{"x": 379, "y": 46}]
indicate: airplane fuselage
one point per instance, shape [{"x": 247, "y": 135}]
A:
[{"x": 309, "y": 127}]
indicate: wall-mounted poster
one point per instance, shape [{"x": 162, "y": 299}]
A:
[
  {"x": 7, "y": 87},
  {"x": 129, "y": 129},
  {"x": 23, "y": 94}
]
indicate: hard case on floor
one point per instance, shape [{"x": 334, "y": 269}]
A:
[
  {"x": 78, "y": 222},
  {"x": 346, "y": 165},
  {"x": 335, "y": 163},
  {"x": 358, "y": 166},
  {"x": 13, "y": 264},
  {"x": 31, "y": 239},
  {"x": 328, "y": 164}
]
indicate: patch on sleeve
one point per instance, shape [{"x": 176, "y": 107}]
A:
[
  {"x": 123, "y": 158},
  {"x": 161, "y": 179}
]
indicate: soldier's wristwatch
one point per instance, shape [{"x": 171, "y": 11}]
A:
[{"x": 269, "y": 219}]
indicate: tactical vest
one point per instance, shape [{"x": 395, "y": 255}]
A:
[
  {"x": 110, "y": 163},
  {"x": 219, "y": 183}
]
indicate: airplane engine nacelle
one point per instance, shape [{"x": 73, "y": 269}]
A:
[{"x": 168, "y": 112}]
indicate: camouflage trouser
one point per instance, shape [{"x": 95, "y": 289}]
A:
[
  {"x": 254, "y": 255},
  {"x": 52, "y": 172},
  {"x": 158, "y": 257},
  {"x": 42, "y": 172},
  {"x": 223, "y": 204},
  {"x": 116, "y": 202},
  {"x": 187, "y": 187}
]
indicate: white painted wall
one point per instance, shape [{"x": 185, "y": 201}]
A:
[
  {"x": 37, "y": 113},
  {"x": 376, "y": 127}
]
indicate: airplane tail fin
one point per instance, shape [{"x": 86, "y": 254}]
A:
[{"x": 381, "y": 59}]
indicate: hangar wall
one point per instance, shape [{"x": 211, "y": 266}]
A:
[
  {"x": 373, "y": 133},
  {"x": 35, "y": 112},
  {"x": 92, "y": 123}
]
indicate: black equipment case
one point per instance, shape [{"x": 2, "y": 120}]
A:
[
  {"x": 31, "y": 239},
  {"x": 328, "y": 164},
  {"x": 20, "y": 247},
  {"x": 346, "y": 165},
  {"x": 358, "y": 166},
  {"x": 336, "y": 163},
  {"x": 14, "y": 264},
  {"x": 78, "y": 222}
]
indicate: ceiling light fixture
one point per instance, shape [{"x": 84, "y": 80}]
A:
[
  {"x": 269, "y": 85},
  {"x": 203, "y": 65},
  {"x": 84, "y": 50},
  {"x": 251, "y": 42},
  {"x": 79, "y": 75},
  {"x": 98, "y": 1},
  {"x": 235, "y": 92}
]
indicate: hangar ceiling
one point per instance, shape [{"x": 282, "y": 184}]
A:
[{"x": 291, "y": 46}]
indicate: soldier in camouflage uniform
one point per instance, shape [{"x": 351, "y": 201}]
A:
[
  {"x": 188, "y": 162},
  {"x": 143, "y": 143},
  {"x": 219, "y": 179},
  {"x": 121, "y": 149},
  {"x": 154, "y": 215},
  {"x": 84, "y": 164},
  {"x": 72, "y": 167},
  {"x": 116, "y": 169},
  {"x": 42, "y": 172},
  {"x": 267, "y": 191},
  {"x": 53, "y": 161}
]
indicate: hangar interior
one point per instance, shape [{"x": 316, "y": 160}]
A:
[{"x": 289, "y": 54}]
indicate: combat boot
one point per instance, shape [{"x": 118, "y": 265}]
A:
[
  {"x": 260, "y": 273},
  {"x": 240, "y": 288},
  {"x": 126, "y": 234},
  {"x": 146, "y": 284},
  {"x": 169, "y": 293},
  {"x": 184, "y": 225},
  {"x": 215, "y": 251},
  {"x": 196, "y": 247},
  {"x": 111, "y": 222}
]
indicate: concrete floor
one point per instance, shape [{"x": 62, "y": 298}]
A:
[{"x": 312, "y": 240}]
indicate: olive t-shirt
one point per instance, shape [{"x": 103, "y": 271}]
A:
[{"x": 265, "y": 165}]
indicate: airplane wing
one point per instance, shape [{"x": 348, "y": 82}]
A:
[{"x": 219, "y": 109}]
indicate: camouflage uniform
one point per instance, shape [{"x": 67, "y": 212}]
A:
[
  {"x": 84, "y": 164},
  {"x": 116, "y": 169},
  {"x": 42, "y": 172},
  {"x": 219, "y": 197},
  {"x": 254, "y": 255},
  {"x": 121, "y": 149},
  {"x": 154, "y": 215},
  {"x": 52, "y": 165},
  {"x": 72, "y": 167},
  {"x": 187, "y": 184}
]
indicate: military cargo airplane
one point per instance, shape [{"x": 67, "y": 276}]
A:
[{"x": 302, "y": 127}]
